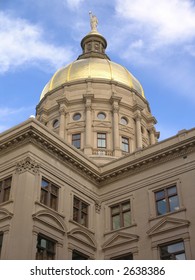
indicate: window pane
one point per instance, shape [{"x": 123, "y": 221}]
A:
[
  {"x": 44, "y": 184},
  {"x": 116, "y": 222},
  {"x": 172, "y": 190},
  {"x": 8, "y": 182},
  {"x": 75, "y": 215},
  {"x": 101, "y": 116},
  {"x": 79, "y": 256},
  {"x": 160, "y": 195},
  {"x": 6, "y": 194},
  {"x": 127, "y": 219},
  {"x": 175, "y": 247},
  {"x": 174, "y": 203},
  {"x": 126, "y": 206},
  {"x": 53, "y": 202},
  {"x": 115, "y": 209},
  {"x": 54, "y": 190},
  {"x": 83, "y": 219},
  {"x": 180, "y": 257},
  {"x": 84, "y": 207},
  {"x": 161, "y": 207},
  {"x": 43, "y": 197},
  {"x": 76, "y": 202}
]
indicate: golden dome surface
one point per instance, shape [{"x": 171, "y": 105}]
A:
[{"x": 94, "y": 68}]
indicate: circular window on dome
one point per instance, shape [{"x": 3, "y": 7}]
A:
[
  {"x": 101, "y": 116},
  {"x": 56, "y": 123},
  {"x": 124, "y": 121},
  {"x": 76, "y": 116}
]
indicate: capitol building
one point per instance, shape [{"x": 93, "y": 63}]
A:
[{"x": 87, "y": 177}]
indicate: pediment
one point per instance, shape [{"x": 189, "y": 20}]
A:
[
  {"x": 4, "y": 214},
  {"x": 102, "y": 124},
  {"x": 126, "y": 129},
  {"x": 167, "y": 224},
  {"x": 83, "y": 236},
  {"x": 51, "y": 220},
  {"x": 119, "y": 239},
  {"x": 76, "y": 125}
]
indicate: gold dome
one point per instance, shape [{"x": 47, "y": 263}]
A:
[{"x": 94, "y": 68}]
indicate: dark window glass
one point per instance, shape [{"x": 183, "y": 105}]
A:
[
  {"x": 45, "y": 248},
  {"x": 76, "y": 116},
  {"x": 80, "y": 212},
  {"x": 101, "y": 140},
  {"x": 125, "y": 144},
  {"x": 56, "y": 123},
  {"x": 124, "y": 121},
  {"x": 49, "y": 194},
  {"x": 128, "y": 256},
  {"x": 1, "y": 242},
  {"x": 121, "y": 215},
  {"x": 101, "y": 116},
  {"x": 76, "y": 255},
  {"x": 167, "y": 200},
  {"x": 173, "y": 251},
  {"x": 76, "y": 140},
  {"x": 5, "y": 187}
]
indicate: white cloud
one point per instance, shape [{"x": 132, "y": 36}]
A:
[
  {"x": 165, "y": 21},
  {"x": 22, "y": 43},
  {"x": 74, "y": 4}
]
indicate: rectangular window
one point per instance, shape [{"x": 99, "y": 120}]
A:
[
  {"x": 45, "y": 248},
  {"x": 125, "y": 144},
  {"x": 80, "y": 212},
  {"x": 128, "y": 256},
  {"x": 76, "y": 140},
  {"x": 101, "y": 140},
  {"x": 5, "y": 187},
  {"x": 167, "y": 200},
  {"x": 1, "y": 242},
  {"x": 121, "y": 215},
  {"x": 49, "y": 194},
  {"x": 173, "y": 251},
  {"x": 76, "y": 255}
]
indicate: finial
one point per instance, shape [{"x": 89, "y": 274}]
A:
[{"x": 93, "y": 21}]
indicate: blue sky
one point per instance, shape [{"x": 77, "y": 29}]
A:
[{"x": 155, "y": 40}]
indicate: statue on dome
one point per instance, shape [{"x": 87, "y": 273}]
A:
[{"x": 93, "y": 21}]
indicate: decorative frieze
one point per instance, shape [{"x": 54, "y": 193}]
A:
[{"x": 27, "y": 164}]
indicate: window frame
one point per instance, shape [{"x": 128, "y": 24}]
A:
[
  {"x": 127, "y": 256},
  {"x": 80, "y": 254},
  {"x": 120, "y": 213},
  {"x": 1, "y": 242},
  {"x": 77, "y": 140},
  {"x": 49, "y": 194},
  {"x": 166, "y": 197},
  {"x": 78, "y": 211},
  {"x": 101, "y": 140},
  {"x": 4, "y": 189},
  {"x": 174, "y": 253},
  {"x": 125, "y": 144},
  {"x": 47, "y": 252}
]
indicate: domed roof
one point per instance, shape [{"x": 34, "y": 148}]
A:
[
  {"x": 94, "y": 68},
  {"x": 93, "y": 63}
]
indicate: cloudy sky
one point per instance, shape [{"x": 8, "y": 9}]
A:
[{"x": 155, "y": 40}]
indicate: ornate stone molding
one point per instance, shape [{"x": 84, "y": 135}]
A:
[
  {"x": 27, "y": 164},
  {"x": 98, "y": 206}
]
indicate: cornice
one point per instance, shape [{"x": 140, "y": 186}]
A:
[{"x": 34, "y": 132}]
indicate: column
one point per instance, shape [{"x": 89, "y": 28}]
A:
[
  {"x": 152, "y": 136},
  {"x": 138, "y": 130},
  {"x": 116, "y": 137},
  {"x": 88, "y": 123},
  {"x": 62, "y": 120}
]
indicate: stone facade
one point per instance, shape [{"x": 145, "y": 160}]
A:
[{"x": 87, "y": 178}]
